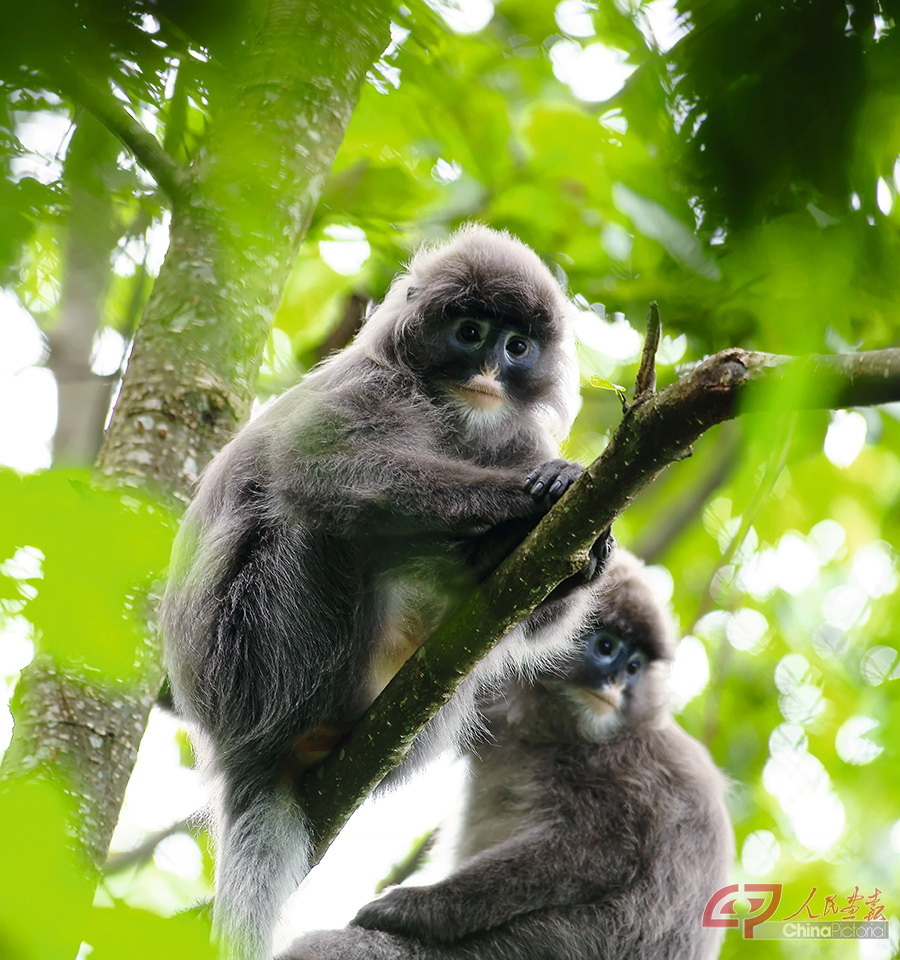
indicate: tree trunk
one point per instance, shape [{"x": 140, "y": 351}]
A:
[{"x": 236, "y": 225}]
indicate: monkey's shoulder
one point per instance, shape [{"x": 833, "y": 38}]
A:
[{"x": 344, "y": 410}]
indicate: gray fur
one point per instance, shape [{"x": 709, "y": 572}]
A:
[
  {"x": 586, "y": 837},
  {"x": 328, "y": 538}
]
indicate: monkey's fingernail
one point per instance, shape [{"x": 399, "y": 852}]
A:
[
  {"x": 538, "y": 487},
  {"x": 557, "y": 487}
]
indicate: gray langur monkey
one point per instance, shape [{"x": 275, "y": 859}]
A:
[
  {"x": 595, "y": 828},
  {"x": 328, "y": 538}
]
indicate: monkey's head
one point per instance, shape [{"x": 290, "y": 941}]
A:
[
  {"x": 483, "y": 325},
  {"x": 615, "y": 674}
]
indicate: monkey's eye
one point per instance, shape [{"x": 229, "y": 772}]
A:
[
  {"x": 469, "y": 332},
  {"x": 633, "y": 667},
  {"x": 607, "y": 647},
  {"x": 517, "y": 346}
]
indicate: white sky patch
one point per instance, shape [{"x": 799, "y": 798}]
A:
[
  {"x": 803, "y": 704},
  {"x": 880, "y": 664},
  {"x": 747, "y": 630},
  {"x": 661, "y": 582},
  {"x": 791, "y": 671},
  {"x": 151, "y": 247},
  {"x": 384, "y": 829},
  {"x": 827, "y": 539},
  {"x": 595, "y": 72},
  {"x": 760, "y": 852},
  {"x": 574, "y": 18},
  {"x": 464, "y": 16},
  {"x": 846, "y": 437},
  {"x": 179, "y": 854},
  {"x": 616, "y": 339},
  {"x": 28, "y": 409},
  {"x": 852, "y": 744},
  {"x": 803, "y": 788},
  {"x": 345, "y": 250},
  {"x": 795, "y": 564},
  {"x": 662, "y": 25},
  {"x": 44, "y": 134},
  {"x": 884, "y": 196},
  {"x": 845, "y": 606},
  {"x": 23, "y": 342},
  {"x": 16, "y": 652},
  {"x": 689, "y": 673},
  {"x": 161, "y": 791},
  {"x": 671, "y": 349},
  {"x": 874, "y": 570},
  {"x": 108, "y": 352},
  {"x": 757, "y": 576}
]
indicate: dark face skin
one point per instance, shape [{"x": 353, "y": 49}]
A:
[
  {"x": 610, "y": 660},
  {"x": 608, "y": 669},
  {"x": 487, "y": 362}
]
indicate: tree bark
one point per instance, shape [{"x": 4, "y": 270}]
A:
[{"x": 239, "y": 215}]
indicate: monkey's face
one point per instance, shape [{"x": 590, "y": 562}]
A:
[
  {"x": 615, "y": 681},
  {"x": 487, "y": 365},
  {"x": 485, "y": 361}
]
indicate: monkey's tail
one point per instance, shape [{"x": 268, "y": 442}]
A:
[{"x": 264, "y": 851}]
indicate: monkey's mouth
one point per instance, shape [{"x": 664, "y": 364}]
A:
[
  {"x": 481, "y": 391},
  {"x": 604, "y": 700}
]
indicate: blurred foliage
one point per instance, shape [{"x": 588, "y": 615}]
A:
[{"x": 745, "y": 176}]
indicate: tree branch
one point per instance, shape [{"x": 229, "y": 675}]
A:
[
  {"x": 116, "y": 862},
  {"x": 645, "y": 382},
  {"x": 147, "y": 150},
  {"x": 656, "y": 430}
]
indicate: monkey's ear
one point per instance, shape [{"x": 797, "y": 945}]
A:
[{"x": 411, "y": 292}]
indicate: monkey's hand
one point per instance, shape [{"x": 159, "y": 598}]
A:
[
  {"x": 418, "y": 912},
  {"x": 544, "y": 485},
  {"x": 548, "y": 482},
  {"x": 598, "y": 558}
]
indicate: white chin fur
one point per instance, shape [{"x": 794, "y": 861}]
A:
[
  {"x": 597, "y": 718},
  {"x": 478, "y": 410}
]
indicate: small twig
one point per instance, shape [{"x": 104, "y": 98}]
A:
[
  {"x": 145, "y": 850},
  {"x": 406, "y": 867},
  {"x": 645, "y": 382},
  {"x": 148, "y": 151}
]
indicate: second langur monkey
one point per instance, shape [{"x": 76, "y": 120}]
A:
[
  {"x": 595, "y": 828},
  {"x": 327, "y": 539}
]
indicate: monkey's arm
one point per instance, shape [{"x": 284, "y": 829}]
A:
[
  {"x": 536, "y": 871},
  {"x": 395, "y": 491}
]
